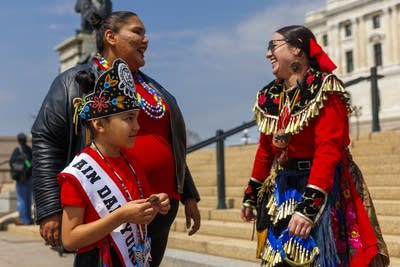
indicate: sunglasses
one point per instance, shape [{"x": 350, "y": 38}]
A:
[{"x": 272, "y": 47}]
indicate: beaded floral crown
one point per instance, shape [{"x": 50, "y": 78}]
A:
[{"x": 114, "y": 92}]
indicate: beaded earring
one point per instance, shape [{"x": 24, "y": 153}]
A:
[{"x": 295, "y": 66}]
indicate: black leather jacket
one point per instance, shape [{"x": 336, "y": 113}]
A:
[{"x": 54, "y": 142}]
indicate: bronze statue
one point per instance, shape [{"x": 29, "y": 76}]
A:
[{"x": 87, "y": 7}]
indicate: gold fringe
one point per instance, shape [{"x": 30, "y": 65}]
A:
[
  {"x": 297, "y": 255},
  {"x": 267, "y": 123},
  {"x": 77, "y": 103},
  {"x": 261, "y": 237},
  {"x": 269, "y": 256}
]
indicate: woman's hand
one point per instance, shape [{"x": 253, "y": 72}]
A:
[
  {"x": 247, "y": 214},
  {"x": 50, "y": 230},
  {"x": 192, "y": 213},
  {"x": 299, "y": 226}
]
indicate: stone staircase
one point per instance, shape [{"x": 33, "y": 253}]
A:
[{"x": 224, "y": 234}]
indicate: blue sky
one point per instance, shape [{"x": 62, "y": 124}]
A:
[{"x": 210, "y": 54}]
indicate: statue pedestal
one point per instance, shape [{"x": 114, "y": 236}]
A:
[{"x": 77, "y": 49}]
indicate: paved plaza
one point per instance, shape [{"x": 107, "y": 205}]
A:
[
  {"x": 28, "y": 250},
  {"x": 22, "y": 246}
]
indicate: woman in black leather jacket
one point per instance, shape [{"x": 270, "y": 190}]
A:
[{"x": 57, "y": 137}]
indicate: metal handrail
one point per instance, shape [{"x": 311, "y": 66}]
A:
[
  {"x": 220, "y": 158},
  {"x": 224, "y": 135}
]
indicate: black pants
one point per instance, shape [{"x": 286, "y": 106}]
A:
[
  {"x": 91, "y": 258},
  {"x": 159, "y": 230}
]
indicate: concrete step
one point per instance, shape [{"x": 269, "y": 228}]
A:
[
  {"x": 382, "y": 135},
  {"x": 235, "y": 172},
  {"x": 385, "y": 149},
  {"x": 388, "y": 140},
  {"x": 383, "y": 207},
  {"x": 377, "y": 192},
  {"x": 183, "y": 258},
  {"x": 381, "y": 168},
  {"x": 358, "y": 150},
  {"x": 32, "y": 230},
  {"x": 212, "y": 201},
  {"x": 243, "y": 159},
  {"x": 377, "y": 179},
  {"x": 382, "y": 180},
  {"x": 371, "y": 180},
  {"x": 214, "y": 245},
  {"x": 230, "y": 191},
  {"x": 387, "y": 207},
  {"x": 389, "y": 224},
  {"x": 376, "y": 159},
  {"x": 211, "y": 180},
  {"x": 236, "y": 230},
  {"x": 224, "y": 215},
  {"x": 245, "y": 249},
  {"x": 393, "y": 243},
  {"x": 394, "y": 262},
  {"x": 385, "y": 192}
]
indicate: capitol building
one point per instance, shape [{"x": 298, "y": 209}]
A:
[{"x": 358, "y": 35}]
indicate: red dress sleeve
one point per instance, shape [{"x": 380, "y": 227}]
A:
[
  {"x": 70, "y": 193},
  {"x": 331, "y": 138},
  {"x": 263, "y": 159}
]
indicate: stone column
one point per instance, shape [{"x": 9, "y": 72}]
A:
[
  {"x": 336, "y": 40},
  {"x": 357, "y": 45},
  {"x": 76, "y": 49},
  {"x": 395, "y": 33},
  {"x": 386, "y": 41},
  {"x": 363, "y": 40}
]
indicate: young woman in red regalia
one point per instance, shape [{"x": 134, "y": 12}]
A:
[
  {"x": 307, "y": 190},
  {"x": 105, "y": 196}
]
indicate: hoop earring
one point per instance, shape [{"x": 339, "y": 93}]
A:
[{"x": 295, "y": 66}]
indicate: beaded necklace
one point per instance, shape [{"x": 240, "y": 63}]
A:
[
  {"x": 138, "y": 184},
  {"x": 156, "y": 111}
]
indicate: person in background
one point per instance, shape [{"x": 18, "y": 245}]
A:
[
  {"x": 21, "y": 172},
  {"x": 160, "y": 143},
  {"x": 105, "y": 197},
  {"x": 307, "y": 190}
]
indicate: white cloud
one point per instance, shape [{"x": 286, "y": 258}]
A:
[
  {"x": 64, "y": 7},
  {"x": 216, "y": 72},
  {"x": 54, "y": 26}
]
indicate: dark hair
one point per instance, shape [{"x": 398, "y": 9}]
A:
[
  {"x": 113, "y": 22},
  {"x": 299, "y": 36},
  {"x": 21, "y": 138},
  {"x": 86, "y": 81}
]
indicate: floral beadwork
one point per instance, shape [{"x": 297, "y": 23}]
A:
[{"x": 113, "y": 92}]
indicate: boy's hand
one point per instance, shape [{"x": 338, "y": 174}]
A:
[
  {"x": 139, "y": 211},
  {"x": 162, "y": 203}
]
